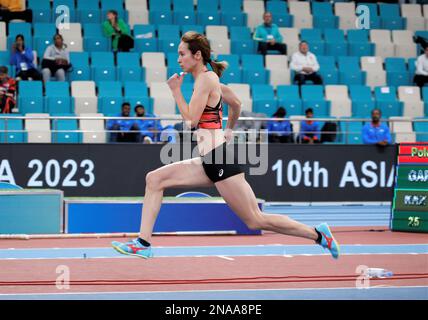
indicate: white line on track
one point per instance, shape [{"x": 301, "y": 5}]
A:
[{"x": 226, "y": 258}]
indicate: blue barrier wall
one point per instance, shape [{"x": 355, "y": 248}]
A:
[
  {"x": 84, "y": 216},
  {"x": 31, "y": 212}
]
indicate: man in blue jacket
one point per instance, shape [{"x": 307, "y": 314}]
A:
[
  {"x": 124, "y": 130},
  {"x": 268, "y": 37},
  {"x": 309, "y": 129},
  {"x": 376, "y": 132}
]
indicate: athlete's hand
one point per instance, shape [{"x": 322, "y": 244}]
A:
[
  {"x": 228, "y": 135},
  {"x": 175, "y": 81}
]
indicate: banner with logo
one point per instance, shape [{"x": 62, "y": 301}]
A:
[{"x": 276, "y": 172}]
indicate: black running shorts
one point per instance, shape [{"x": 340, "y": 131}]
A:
[{"x": 221, "y": 163}]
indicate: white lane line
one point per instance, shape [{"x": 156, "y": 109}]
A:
[{"x": 226, "y": 258}]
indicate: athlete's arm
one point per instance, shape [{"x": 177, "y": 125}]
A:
[
  {"x": 192, "y": 112},
  {"x": 230, "y": 98}
]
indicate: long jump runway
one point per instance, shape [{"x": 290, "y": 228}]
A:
[{"x": 270, "y": 266}]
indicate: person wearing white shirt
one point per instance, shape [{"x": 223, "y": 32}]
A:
[
  {"x": 56, "y": 60},
  {"x": 421, "y": 73},
  {"x": 305, "y": 65}
]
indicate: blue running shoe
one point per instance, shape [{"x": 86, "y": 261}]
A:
[
  {"x": 328, "y": 241},
  {"x": 133, "y": 248}
]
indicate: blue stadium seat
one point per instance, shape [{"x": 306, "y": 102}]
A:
[
  {"x": 117, "y": 5},
  {"x": 350, "y": 72},
  {"x": 96, "y": 44},
  {"x": 208, "y": 18},
  {"x": 396, "y": 72},
  {"x": 41, "y": 43},
  {"x": 160, "y": 5},
  {"x": 233, "y": 73},
  {"x": 387, "y": 102},
  {"x": 264, "y": 100},
  {"x": 231, "y": 5},
  {"x": 102, "y": 66},
  {"x": 81, "y": 70},
  {"x": 44, "y": 29},
  {"x": 14, "y": 128},
  {"x": 169, "y": 38},
  {"x": 313, "y": 97},
  {"x": 16, "y": 28},
  {"x": 135, "y": 89},
  {"x": 323, "y": 16},
  {"x": 336, "y": 44},
  {"x": 109, "y": 97},
  {"x": 182, "y": 5},
  {"x": 289, "y": 98},
  {"x": 184, "y": 18},
  {"x": 288, "y": 92},
  {"x": 41, "y": 10},
  {"x": 88, "y": 11},
  {"x": 232, "y": 59},
  {"x": 30, "y": 98},
  {"x": 196, "y": 28},
  {"x": 4, "y": 57},
  {"x": 411, "y": 63},
  {"x": 421, "y": 130},
  {"x": 390, "y": 16},
  {"x": 128, "y": 66},
  {"x": 425, "y": 94},
  {"x": 328, "y": 70},
  {"x": 43, "y": 36},
  {"x": 71, "y": 11},
  {"x": 145, "y": 38},
  {"x": 360, "y": 93},
  {"x": 87, "y": 4},
  {"x": 281, "y": 17},
  {"x": 93, "y": 39},
  {"x": 207, "y": 6},
  {"x": 233, "y": 18},
  {"x": 241, "y": 40},
  {"x": 253, "y": 70},
  {"x": 353, "y": 131},
  {"x": 362, "y": 101},
  {"x": 359, "y": 43},
  {"x": 60, "y": 134},
  {"x": 160, "y": 17},
  {"x": 311, "y": 35},
  {"x": 92, "y": 30},
  {"x": 57, "y": 97},
  {"x": 312, "y": 92}
]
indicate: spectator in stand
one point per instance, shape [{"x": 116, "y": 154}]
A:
[
  {"x": 421, "y": 73},
  {"x": 149, "y": 129},
  {"x": 309, "y": 129},
  {"x": 22, "y": 58},
  {"x": 280, "y": 131},
  {"x": 56, "y": 60},
  {"x": 305, "y": 65},
  {"x": 13, "y": 9},
  {"x": 7, "y": 91},
  {"x": 124, "y": 126},
  {"x": 376, "y": 132},
  {"x": 268, "y": 37},
  {"x": 118, "y": 31}
]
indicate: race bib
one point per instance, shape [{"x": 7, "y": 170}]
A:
[{"x": 23, "y": 66}]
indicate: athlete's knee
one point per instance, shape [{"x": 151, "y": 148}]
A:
[
  {"x": 153, "y": 181},
  {"x": 256, "y": 223}
]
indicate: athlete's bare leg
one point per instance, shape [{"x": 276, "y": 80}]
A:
[
  {"x": 240, "y": 197},
  {"x": 180, "y": 174}
]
